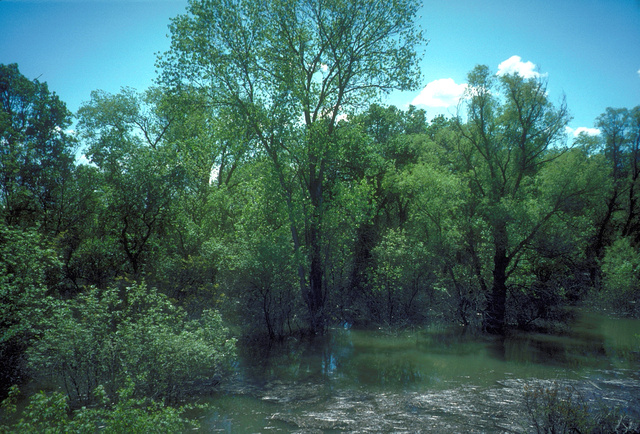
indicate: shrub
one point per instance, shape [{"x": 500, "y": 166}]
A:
[
  {"x": 621, "y": 277},
  {"x": 563, "y": 409},
  {"x": 105, "y": 337},
  {"x": 27, "y": 264},
  {"x": 50, "y": 413}
]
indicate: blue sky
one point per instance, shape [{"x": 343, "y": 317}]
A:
[{"x": 588, "y": 50}]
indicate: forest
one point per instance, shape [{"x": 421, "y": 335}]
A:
[{"x": 262, "y": 191}]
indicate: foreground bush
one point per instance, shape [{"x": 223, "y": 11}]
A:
[
  {"x": 104, "y": 337},
  {"x": 51, "y": 414},
  {"x": 563, "y": 409},
  {"x": 27, "y": 263}
]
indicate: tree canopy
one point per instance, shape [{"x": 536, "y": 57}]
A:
[
  {"x": 289, "y": 71},
  {"x": 36, "y": 151}
]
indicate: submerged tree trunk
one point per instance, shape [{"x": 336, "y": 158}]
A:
[
  {"x": 315, "y": 295},
  {"x": 496, "y": 309}
]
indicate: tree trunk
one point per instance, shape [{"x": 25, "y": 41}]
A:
[
  {"x": 315, "y": 299},
  {"x": 315, "y": 296},
  {"x": 496, "y": 310}
]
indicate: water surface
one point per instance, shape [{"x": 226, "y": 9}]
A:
[{"x": 428, "y": 380}]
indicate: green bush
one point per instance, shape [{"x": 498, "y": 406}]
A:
[
  {"x": 50, "y": 413},
  {"x": 105, "y": 337},
  {"x": 621, "y": 277},
  {"x": 27, "y": 264}
]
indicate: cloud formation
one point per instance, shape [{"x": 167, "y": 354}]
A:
[
  {"x": 515, "y": 65},
  {"x": 582, "y": 130},
  {"x": 443, "y": 92},
  {"x": 82, "y": 159}
]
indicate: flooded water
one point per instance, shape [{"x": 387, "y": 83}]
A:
[{"x": 435, "y": 380}]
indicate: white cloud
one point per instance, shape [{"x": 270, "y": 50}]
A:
[
  {"x": 342, "y": 117},
  {"x": 213, "y": 175},
  {"x": 82, "y": 159},
  {"x": 582, "y": 130},
  {"x": 515, "y": 65},
  {"x": 320, "y": 74},
  {"x": 638, "y": 71},
  {"x": 443, "y": 92}
]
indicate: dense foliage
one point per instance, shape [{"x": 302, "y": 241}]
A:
[
  {"x": 50, "y": 414},
  {"x": 106, "y": 337},
  {"x": 261, "y": 182}
]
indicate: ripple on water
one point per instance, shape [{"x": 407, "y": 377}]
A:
[{"x": 494, "y": 409}]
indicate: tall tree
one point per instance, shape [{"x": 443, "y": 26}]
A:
[
  {"x": 124, "y": 135},
  {"x": 380, "y": 147},
  {"x": 36, "y": 151},
  {"x": 511, "y": 136},
  {"x": 620, "y": 135},
  {"x": 289, "y": 70}
]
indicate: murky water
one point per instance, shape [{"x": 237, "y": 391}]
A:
[{"x": 434, "y": 380}]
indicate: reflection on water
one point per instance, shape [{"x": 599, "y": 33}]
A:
[{"x": 422, "y": 380}]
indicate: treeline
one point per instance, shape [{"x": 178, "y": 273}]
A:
[
  {"x": 257, "y": 180},
  {"x": 493, "y": 218}
]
